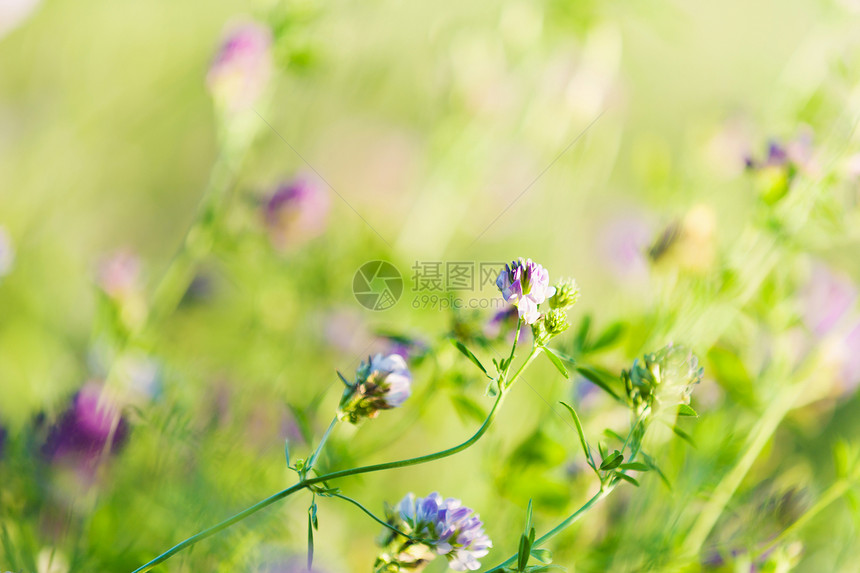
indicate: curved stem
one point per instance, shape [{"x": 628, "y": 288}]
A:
[
  {"x": 373, "y": 517},
  {"x": 304, "y": 483}
]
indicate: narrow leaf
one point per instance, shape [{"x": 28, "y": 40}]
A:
[
  {"x": 608, "y": 337},
  {"x": 556, "y": 361},
  {"x": 628, "y": 479},
  {"x": 583, "y": 442},
  {"x": 684, "y": 435},
  {"x": 612, "y": 461},
  {"x": 542, "y": 555},
  {"x": 650, "y": 461},
  {"x": 468, "y": 354},
  {"x": 635, "y": 466},
  {"x": 310, "y": 542},
  {"x": 287, "y": 451},
  {"x": 599, "y": 379},
  {"x": 685, "y": 410}
]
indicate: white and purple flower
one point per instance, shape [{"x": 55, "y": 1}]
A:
[
  {"x": 447, "y": 527},
  {"x": 525, "y": 284},
  {"x": 382, "y": 383}
]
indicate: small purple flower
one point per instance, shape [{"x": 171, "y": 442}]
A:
[
  {"x": 382, "y": 383},
  {"x": 91, "y": 425},
  {"x": 448, "y": 527},
  {"x": 295, "y": 212},
  {"x": 241, "y": 69},
  {"x": 525, "y": 284}
]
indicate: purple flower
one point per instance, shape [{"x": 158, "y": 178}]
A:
[
  {"x": 448, "y": 527},
  {"x": 241, "y": 69},
  {"x": 382, "y": 383},
  {"x": 91, "y": 425},
  {"x": 525, "y": 284},
  {"x": 295, "y": 212}
]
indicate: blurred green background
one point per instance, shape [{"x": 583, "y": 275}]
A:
[{"x": 574, "y": 133}]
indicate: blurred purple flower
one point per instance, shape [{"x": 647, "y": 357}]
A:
[
  {"x": 450, "y": 528},
  {"x": 91, "y": 425},
  {"x": 525, "y": 284},
  {"x": 295, "y": 212},
  {"x": 119, "y": 274},
  {"x": 624, "y": 241},
  {"x": 503, "y": 323},
  {"x": 7, "y": 252},
  {"x": 241, "y": 70},
  {"x": 826, "y": 299},
  {"x": 2, "y": 441}
]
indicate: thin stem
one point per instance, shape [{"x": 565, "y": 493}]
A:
[
  {"x": 724, "y": 491},
  {"x": 560, "y": 527},
  {"x": 221, "y": 526},
  {"x": 309, "y": 481},
  {"x": 318, "y": 479},
  {"x": 376, "y": 519},
  {"x": 323, "y": 440}
]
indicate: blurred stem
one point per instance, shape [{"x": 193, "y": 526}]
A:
[
  {"x": 758, "y": 438},
  {"x": 307, "y": 482},
  {"x": 834, "y": 492}
]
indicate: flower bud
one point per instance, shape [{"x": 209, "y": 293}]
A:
[
  {"x": 665, "y": 379},
  {"x": 382, "y": 383}
]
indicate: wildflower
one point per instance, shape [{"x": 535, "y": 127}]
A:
[
  {"x": 826, "y": 299},
  {"x": 295, "y": 212},
  {"x": 241, "y": 69},
  {"x": 7, "y": 253},
  {"x": 525, "y": 284},
  {"x": 781, "y": 165},
  {"x": 623, "y": 243},
  {"x": 382, "y": 383},
  {"x": 92, "y": 424},
  {"x": 665, "y": 379},
  {"x": 444, "y": 527}
]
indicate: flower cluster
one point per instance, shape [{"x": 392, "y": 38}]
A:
[
  {"x": 444, "y": 527},
  {"x": 663, "y": 378},
  {"x": 382, "y": 383},
  {"x": 525, "y": 284}
]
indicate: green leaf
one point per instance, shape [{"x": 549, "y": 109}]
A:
[
  {"x": 583, "y": 442},
  {"x": 685, "y": 410},
  {"x": 343, "y": 379},
  {"x": 287, "y": 451},
  {"x": 608, "y": 337},
  {"x": 468, "y": 408},
  {"x": 684, "y": 435},
  {"x": 523, "y": 554},
  {"x": 613, "y": 434},
  {"x": 635, "y": 466},
  {"x": 556, "y": 361},
  {"x": 627, "y": 478},
  {"x": 468, "y": 354},
  {"x": 310, "y": 542},
  {"x": 581, "y": 338},
  {"x": 542, "y": 555},
  {"x": 600, "y": 379},
  {"x": 650, "y": 461},
  {"x": 612, "y": 461}
]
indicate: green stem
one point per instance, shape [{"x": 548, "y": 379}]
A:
[
  {"x": 376, "y": 519},
  {"x": 317, "y": 451},
  {"x": 306, "y": 482},
  {"x": 560, "y": 527},
  {"x": 724, "y": 491}
]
